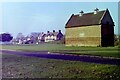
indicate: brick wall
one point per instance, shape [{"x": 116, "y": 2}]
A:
[{"x": 83, "y": 36}]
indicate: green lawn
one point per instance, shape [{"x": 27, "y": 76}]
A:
[
  {"x": 17, "y": 66},
  {"x": 61, "y": 48}
]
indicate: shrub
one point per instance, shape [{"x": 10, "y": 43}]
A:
[{"x": 117, "y": 43}]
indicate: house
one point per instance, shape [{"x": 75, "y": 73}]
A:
[
  {"x": 41, "y": 37},
  {"x": 53, "y": 36},
  {"x": 90, "y": 29}
]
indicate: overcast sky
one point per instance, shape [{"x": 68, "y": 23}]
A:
[{"x": 27, "y": 17}]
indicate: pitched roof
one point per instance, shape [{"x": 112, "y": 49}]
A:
[
  {"x": 55, "y": 33},
  {"x": 42, "y": 35},
  {"x": 52, "y": 34},
  {"x": 85, "y": 20}
]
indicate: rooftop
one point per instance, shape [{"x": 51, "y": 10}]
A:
[{"x": 85, "y": 20}]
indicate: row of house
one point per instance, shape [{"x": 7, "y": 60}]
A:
[
  {"x": 37, "y": 38},
  {"x": 50, "y": 36}
]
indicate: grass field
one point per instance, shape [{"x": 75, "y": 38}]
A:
[
  {"x": 61, "y": 48},
  {"x": 17, "y": 66}
]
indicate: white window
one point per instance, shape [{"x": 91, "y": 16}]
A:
[
  {"x": 48, "y": 37},
  {"x": 82, "y": 34},
  {"x": 52, "y": 37},
  {"x": 28, "y": 38}
]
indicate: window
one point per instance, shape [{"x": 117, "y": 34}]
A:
[{"x": 82, "y": 34}]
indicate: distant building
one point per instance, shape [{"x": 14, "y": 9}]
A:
[
  {"x": 90, "y": 29},
  {"x": 36, "y": 38},
  {"x": 53, "y": 36},
  {"x": 41, "y": 37}
]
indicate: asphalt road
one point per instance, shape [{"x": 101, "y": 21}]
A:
[{"x": 45, "y": 54}]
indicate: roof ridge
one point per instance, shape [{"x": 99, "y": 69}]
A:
[
  {"x": 85, "y": 19},
  {"x": 102, "y": 16},
  {"x": 89, "y": 12}
]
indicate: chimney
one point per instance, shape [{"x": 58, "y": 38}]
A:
[
  {"x": 81, "y": 13},
  {"x": 47, "y": 31},
  {"x": 59, "y": 31},
  {"x": 96, "y": 10},
  {"x": 53, "y": 30}
]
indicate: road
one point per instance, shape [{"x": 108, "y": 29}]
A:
[{"x": 45, "y": 54}]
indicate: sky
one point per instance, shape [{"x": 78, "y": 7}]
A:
[{"x": 27, "y": 17}]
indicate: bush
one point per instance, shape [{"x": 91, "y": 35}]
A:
[{"x": 117, "y": 43}]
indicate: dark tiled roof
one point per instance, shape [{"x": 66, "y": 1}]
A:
[
  {"x": 52, "y": 34},
  {"x": 42, "y": 35},
  {"x": 55, "y": 33},
  {"x": 85, "y": 20}
]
